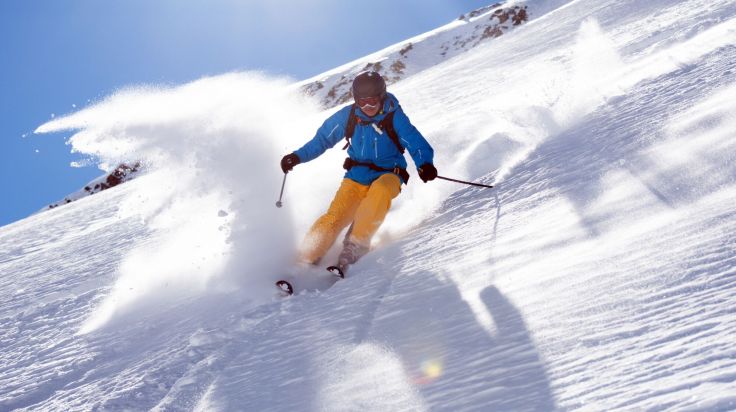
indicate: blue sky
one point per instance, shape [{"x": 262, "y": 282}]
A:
[{"x": 58, "y": 56}]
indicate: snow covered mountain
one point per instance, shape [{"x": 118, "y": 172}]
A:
[
  {"x": 600, "y": 274},
  {"x": 402, "y": 60}
]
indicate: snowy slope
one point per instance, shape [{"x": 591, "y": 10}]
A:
[{"x": 599, "y": 275}]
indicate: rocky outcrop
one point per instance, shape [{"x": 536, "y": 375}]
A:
[{"x": 122, "y": 173}]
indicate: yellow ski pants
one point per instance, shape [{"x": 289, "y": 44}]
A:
[{"x": 364, "y": 206}]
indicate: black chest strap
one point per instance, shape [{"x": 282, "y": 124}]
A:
[{"x": 350, "y": 127}]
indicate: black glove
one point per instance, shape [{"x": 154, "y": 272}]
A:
[
  {"x": 289, "y": 161},
  {"x": 427, "y": 172}
]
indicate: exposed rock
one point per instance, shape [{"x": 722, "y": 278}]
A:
[
  {"x": 492, "y": 31},
  {"x": 406, "y": 49},
  {"x": 340, "y": 92},
  {"x": 520, "y": 17},
  {"x": 122, "y": 173},
  {"x": 501, "y": 16},
  {"x": 312, "y": 88},
  {"x": 478, "y": 12},
  {"x": 398, "y": 67},
  {"x": 376, "y": 67}
]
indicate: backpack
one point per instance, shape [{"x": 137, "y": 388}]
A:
[{"x": 385, "y": 125}]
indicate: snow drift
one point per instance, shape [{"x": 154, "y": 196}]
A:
[{"x": 212, "y": 147}]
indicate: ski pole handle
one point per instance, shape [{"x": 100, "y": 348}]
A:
[
  {"x": 464, "y": 182},
  {"x": 278, "y": 202}
]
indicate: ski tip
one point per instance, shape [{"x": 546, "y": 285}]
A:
[
  {"x": 285, "y": 287},
  {"x": 336, "y": 271}
]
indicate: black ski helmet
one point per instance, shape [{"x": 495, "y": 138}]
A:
[{"x": 369, "y": 84}]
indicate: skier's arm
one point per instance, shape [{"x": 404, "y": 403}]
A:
[
  {"x": 331, "y": 132},
  {"x": 417, "y": 146}
]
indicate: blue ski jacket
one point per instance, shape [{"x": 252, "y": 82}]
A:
[{"x": 367, "y": 144}]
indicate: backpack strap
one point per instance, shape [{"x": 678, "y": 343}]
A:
[
  {"x": 350, "y": 126},
  {"x": 387, "y": 124}
]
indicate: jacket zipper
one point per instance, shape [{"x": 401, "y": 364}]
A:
[{"x": 362, "y": 146}]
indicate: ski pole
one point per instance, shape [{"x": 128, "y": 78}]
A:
[
  {"x": 278, "y": 202},
  {"x": 465, "y": 183}
]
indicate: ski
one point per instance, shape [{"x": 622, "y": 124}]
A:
[
  {"x": 287, "y": 288},
  {"x": 337, "y": 271}
]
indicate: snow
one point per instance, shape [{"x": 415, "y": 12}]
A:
[{"x": 598, "y": 275}]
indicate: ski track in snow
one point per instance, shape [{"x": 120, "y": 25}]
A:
[{"x": 599, "y": 275}]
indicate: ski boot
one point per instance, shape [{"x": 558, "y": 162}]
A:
[{"x": 350, "y": 254}]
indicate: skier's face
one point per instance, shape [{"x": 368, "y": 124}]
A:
[{"x": 370, "y": 105}]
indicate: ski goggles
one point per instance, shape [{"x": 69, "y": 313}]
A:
[{"x": 371, "y": 101}]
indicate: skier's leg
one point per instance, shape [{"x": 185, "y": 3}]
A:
[
  {"x": 368, "y": 217},
  {"x": 325, "y": 230}
]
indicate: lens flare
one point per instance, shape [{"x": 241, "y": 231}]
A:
[{"x": 430, "y": 370}]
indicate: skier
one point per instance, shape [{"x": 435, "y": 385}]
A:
[{"x": 376, "y": 130}]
